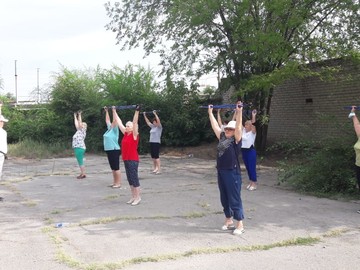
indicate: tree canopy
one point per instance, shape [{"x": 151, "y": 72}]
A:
[
  {"x": 238, "y": 37},
  {"x": 246, "y": 41}
]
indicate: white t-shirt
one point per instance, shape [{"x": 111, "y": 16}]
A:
[
  {"x": 3, "y": 141},
  {"x": 247, "y": 139}
]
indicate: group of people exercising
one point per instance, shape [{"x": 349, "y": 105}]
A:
[{"x": 129, "y": 147}]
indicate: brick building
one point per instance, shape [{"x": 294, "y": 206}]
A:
[{"x": 309, "y": 108}]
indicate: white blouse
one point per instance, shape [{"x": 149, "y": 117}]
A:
[{"x": 247, "y": 139}]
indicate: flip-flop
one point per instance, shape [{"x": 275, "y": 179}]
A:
[{"x": 116, "y": 186}]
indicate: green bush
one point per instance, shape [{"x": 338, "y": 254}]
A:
[
  {"x": 327, "y": 168},
  {"x": 90, "y": 90}
]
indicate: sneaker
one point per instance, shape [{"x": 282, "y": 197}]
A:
[
  {"x": 358, "y": 211},
  {"x": 136, "y": 201},
  {"x": 228, "y": 227},
  {"x": 238, "y": 231},
  {"x": 252, "y": 188},
  {"x": 130, "y": 201},
  {"x": 81, "y": 176}
]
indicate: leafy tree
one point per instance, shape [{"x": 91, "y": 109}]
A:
[
  {"x": 130, "y": 86},
  {"x": 239, "y": 38},
  {"x": 184, "y": 123},
  {"x": 76, "y": 90}
]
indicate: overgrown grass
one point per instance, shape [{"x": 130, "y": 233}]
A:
[
  {"x": 324, "y": 170},
  {"x": 31, "y": 149}
]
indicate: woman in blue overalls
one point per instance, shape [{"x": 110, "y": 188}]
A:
[{"x": 228, "y": 168}]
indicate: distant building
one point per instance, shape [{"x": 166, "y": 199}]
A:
[{"x": 311, "y": 108}]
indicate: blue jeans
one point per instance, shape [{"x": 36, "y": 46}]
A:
[{"x": 229, "y": 182}]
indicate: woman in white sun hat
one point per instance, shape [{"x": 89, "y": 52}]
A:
[{"x": 228, "y": 170}]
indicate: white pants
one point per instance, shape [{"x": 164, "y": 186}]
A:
[{"x": 2, "y": 158}]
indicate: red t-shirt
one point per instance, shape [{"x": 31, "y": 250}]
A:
[{"x": 129, "y": 147}]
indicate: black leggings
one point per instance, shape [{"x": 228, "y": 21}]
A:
[{"x": 357, "y": 169}]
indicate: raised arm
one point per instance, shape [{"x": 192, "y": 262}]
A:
[
  {"x": 76, "y": 121},
  {"x": 218, "y": 116},
  {"x": 146, "y": 119},
  {"x": 135, "y": 122},
  {"x": 157, "y": 118},
  {"x": 80, "y": 121},
  {"x": 238, "y": 119},
  {"x": 214, "y": 124},
  {"x": 253, "y": 121},
  {"x": 107, "y": 117},
  {"x": 355, "y": 121},
  {"x": 117, "y": 120}
]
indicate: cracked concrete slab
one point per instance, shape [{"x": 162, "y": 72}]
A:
[{"x": 176, "y": 225}]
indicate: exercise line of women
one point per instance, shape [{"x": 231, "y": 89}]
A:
[{"x": 129, "y": 146}]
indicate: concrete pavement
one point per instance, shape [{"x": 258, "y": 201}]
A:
[{"x": 176, "y": 225}]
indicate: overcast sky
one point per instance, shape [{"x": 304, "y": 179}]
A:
[{"x": 42, "y": 35}]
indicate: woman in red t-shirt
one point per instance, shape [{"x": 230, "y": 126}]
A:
[{"x": 129, "y": 152}]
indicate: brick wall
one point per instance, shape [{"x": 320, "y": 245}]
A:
[{"x": 311, "y": 108}]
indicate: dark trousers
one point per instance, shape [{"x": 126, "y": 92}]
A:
[
  {"x": 249, "y": 158},
  {"x": 357, "y": 170},
  {"x": 229, "y": 182}
]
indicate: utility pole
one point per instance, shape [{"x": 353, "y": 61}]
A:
[
  {"x": 38, "y": 89},
  {"x": 16, "y": 94}
]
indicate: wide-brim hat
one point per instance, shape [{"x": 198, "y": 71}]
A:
[{"x": 231, "y": 125}]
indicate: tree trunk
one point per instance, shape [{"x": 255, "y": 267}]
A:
[{"x": 262, "y": 129}]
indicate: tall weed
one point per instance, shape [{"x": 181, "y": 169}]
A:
[
  {"x": 31, "y": 149},
  {"x": 327, "y": 169}
]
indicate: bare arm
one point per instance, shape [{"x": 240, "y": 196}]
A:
[
  {"x": 107, "y": 117},
  {"x": 238, "y": 119},
  {"x": 213, "y": 122},
  {"x": 0, "y": 106},
  {"x": 135, "y": 123},
  {"x": 218, "y": 115},
  {"x": 146, "y": 119},
  {"x": 157, "y": 118},
  {"x": 117, "y": 120},
  {"x": 356, "y": 122},
  {"x": 80, "y": 122},
  {"x": 76, "y": 121},
  {"x": 253, "y": 121}
]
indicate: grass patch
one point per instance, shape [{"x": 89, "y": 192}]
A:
[
  {"x": 111, "y": 197},
  {"x": 193, "y": 215},
  {"x": 335, "y": 233},
  {"x": 29, "y": 203},
  {"x": 204, "y": 205},
  {"x": 68, "y": 260},
  {"x": 30, "y": 149}
]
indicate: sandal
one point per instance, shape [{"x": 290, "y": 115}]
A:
[
  {"x": 228, "y": 227},
  {"x": 238, "y": 231},
  {"x": 81, "y": 176},
  {"x": 119, "y": 186}
]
